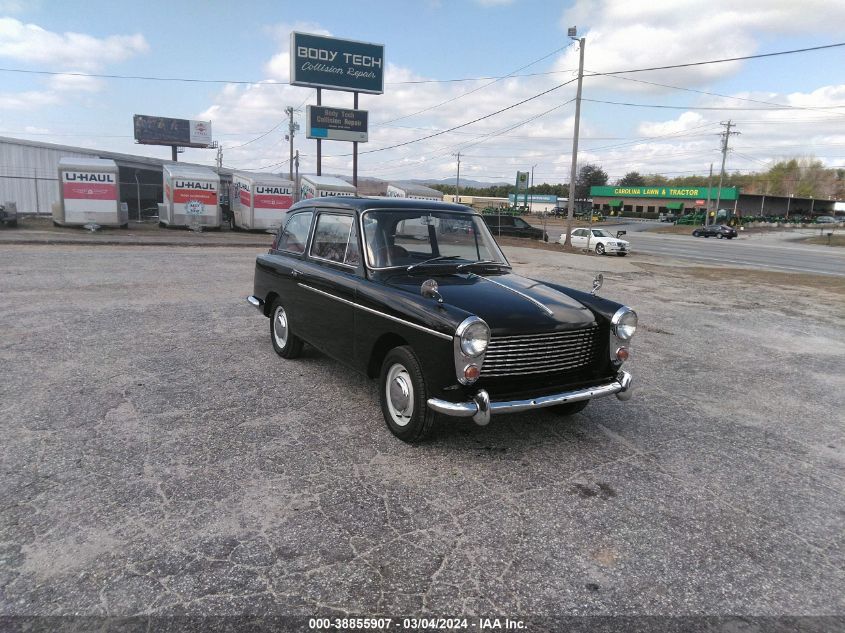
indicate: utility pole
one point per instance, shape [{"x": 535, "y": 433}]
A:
[
  {"x": 570, "y": 211},
  {"x": 709, "y": 187},
  {"x": 293, "y": 126},
  {"x": 296, "y": 182},
  {"x": 458, "y": 179},
  {"x": 219, "y": 157},
  {"x": 725, "y": 136}
]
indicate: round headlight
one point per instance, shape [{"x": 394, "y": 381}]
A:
[
  {"x": 474, "y": 338},
  {"x": 624, "y": 323}
]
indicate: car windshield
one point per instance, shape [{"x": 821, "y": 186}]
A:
[
  {"x": 601, "y": 233},
  {"x": 407, "y": 238}
]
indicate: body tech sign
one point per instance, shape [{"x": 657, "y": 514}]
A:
[
  {"x": 79, "y": 185},
  {"x": 326, "y": 62}
]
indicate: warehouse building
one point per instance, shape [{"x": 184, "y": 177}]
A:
[
  {"x": 29, "y": 176},
  {"x": 650, "y": 201}
]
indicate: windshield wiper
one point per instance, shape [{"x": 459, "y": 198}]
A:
[
  {"x": 439, "y": 258},
  {"x": 482, "y": 262}
]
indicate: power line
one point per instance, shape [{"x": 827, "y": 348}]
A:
[
  {"x": 689, "y": 107},
  {"x": 724, "y": 60}
]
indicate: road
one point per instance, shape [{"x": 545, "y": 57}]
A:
[
  {"x": 761, "y": 253},
  {"x": 159, "y": 459}
]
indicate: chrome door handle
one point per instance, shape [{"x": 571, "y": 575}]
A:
[{"x": 295, "y": 273}]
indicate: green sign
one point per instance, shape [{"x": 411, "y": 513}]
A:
[
  {"x": 327, "y": 62},
  {"x": 685, "y": 193}
]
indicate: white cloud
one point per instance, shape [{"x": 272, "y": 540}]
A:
[
  {"x": 75, "y": 83},
  {"x": 623, "y": 35},
  {"x": 29, "y": 100},
  {"x": 33, "y": 44}
]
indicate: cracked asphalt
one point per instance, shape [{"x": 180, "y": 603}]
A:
[{"x": 159, "y": 459}]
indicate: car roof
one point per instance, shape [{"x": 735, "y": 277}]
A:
[{"x": 360, "y": 204}]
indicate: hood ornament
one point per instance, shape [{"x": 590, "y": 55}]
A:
[
  {"x": 598, "y": 280},
  {"x": 428, "y": 289}
]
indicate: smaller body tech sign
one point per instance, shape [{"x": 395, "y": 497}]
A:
[{"x": 77, "y": 185}]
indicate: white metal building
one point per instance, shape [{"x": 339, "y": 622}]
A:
[{"x": 29, "y": 174}]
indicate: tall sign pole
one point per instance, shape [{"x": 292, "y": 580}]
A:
[
  {"x": 319, "y": 142},
  {"x": 570, "y": 211},
  {"x": 355, "y": 149},
  {"x": 709, "y": 189}
]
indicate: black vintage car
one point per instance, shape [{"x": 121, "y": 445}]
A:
[
  {"x": 720, "y": 231},
  {"x": 510, "y": 226},
  {"x": 419, "y": 296}
]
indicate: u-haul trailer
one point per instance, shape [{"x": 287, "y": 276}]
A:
[
  {"x": 260, "y": 201},
  {"x": 413, "y": 191},
  {"x": 322, "y": 186},
  {"x": 190, "y": 197},
  {"x": 89, "y": 193}
]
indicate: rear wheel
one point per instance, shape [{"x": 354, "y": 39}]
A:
[
  {"x": 696, "y": 233},
  {"x": 599, "y": 249},
  {"x": 404, "y": 396},
  {"x": 720, "y": 236},
  {"x": 570, "y": 408},
  {"x": 285, "y": 343}
]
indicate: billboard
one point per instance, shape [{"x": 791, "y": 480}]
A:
[
  {"x": 157, "y": 130},
  {"x": 336, "y": 124},
  {"x": 317, "y": 61}
]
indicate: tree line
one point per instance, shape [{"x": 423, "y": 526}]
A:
[{"x": 804, "y": 177}]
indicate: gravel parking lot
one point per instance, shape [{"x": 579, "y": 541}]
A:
[{"x": 159, "y": 458}]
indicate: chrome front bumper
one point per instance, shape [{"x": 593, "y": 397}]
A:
[
  {"x": 256, "y": 302},
  {"x": 480, "y": 408}
]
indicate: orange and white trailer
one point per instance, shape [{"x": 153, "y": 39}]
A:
[
  {"x": 190, "y": 197},
  {"x": 89, "y": 193},
  {"x": 260, "y": 201}
]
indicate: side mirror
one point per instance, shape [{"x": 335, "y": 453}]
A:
[
  {"x": 598, "y": 280},
  {"x": 428, "y": 289},
  {"x": 621, "y": 233}
]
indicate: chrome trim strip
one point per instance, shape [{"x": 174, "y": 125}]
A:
[
  {"x": 621, "y": 386},
  {"x": 521, "y": 294},
  {"x": 422, "y": 328}
]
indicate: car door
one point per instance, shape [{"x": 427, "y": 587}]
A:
[
  {"x": 329, "y": 282},
  {"x": 522, "y": 228},
  {"x": 579, "y": 238},
  {"x": 285, "y": 264}
]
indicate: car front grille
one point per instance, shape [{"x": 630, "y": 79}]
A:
[{"x": 540, "y": 353}]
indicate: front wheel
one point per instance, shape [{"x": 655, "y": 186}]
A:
[
  {"x": 285, "y": 343},
  {"x": 569, "y": 408},
  {"x": 404, "y": 396},
  {"x": 696, "y": 233},
  {"x": 599, "y": 249}
]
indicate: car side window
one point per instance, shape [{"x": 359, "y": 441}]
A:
[
  {"x": 520, "y": 223},
  {"x": 295, "y": 234},
  {"x": 507, "y": 220},
  {"x": 578, "y": 233},
  {"x": 353, "y": 250},
  {"x": 331, "y": 237}
]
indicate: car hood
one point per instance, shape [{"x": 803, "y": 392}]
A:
[{"x": 508, "y": 303}]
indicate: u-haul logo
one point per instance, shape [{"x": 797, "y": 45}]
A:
[
  {"x": 78, "y": 176},
  {"x": 194, "y": 184},
  {"x": 280, "y": 191}
]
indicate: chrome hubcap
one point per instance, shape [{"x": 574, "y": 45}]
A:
[
  {"x": 400, "y": 395},
  {"x": 280, "y": 327}
]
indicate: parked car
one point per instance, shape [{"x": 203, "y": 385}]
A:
[
  {"x": 443, "y": 324},
  {"x": 599, "y": 241},
  {"x": 826, "y": 219},
  {"x": 715, "y": 230},
  {"x": 9, "y": 214},
  {"x": 509, "y": 226},
  {"x": 668, "y": 217}
]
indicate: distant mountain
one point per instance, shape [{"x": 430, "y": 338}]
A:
[{"x": 464, "y": 182}]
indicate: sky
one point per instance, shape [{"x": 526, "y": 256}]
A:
[{"x": 448, "y": 62}]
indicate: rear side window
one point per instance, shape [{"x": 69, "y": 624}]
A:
[
  {"x": 331, "y": 237},
  {"x": 295, "y": 234}
]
